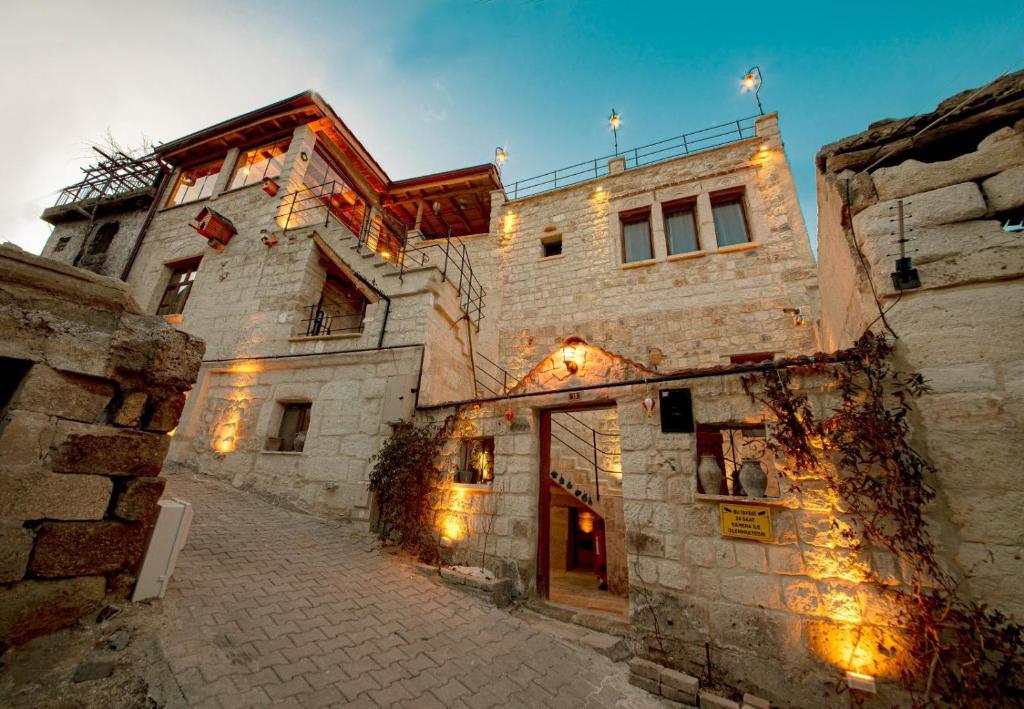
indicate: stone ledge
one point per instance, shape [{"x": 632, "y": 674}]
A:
[{"x": 499, "y": 590}]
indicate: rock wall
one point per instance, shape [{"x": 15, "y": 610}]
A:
[
  {"x": 960, "y": 183},
  {"x": 90, "y": 390}
]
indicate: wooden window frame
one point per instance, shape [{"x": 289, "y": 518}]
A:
[
  {"x": 736, "y": 194},
  {"x": 190, "y": 265},
  {"x": 635, "y": 216},
  {"x": 183, "y": 173},
  {"x": 669, "y": 209},
  {"x": 242, "y": 152}
]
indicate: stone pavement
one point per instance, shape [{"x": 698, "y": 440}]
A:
[{"x": 273, "y": 608}]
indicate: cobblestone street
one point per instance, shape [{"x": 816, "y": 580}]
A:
[{"x": 273, "y": 608}]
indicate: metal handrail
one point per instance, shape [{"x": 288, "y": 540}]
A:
[
  {"x": 677, "y": 146},
  {"x": 593, "y": 431},
  {"x": 322, "y": 322},
  {"x": 452, "y": 258}
]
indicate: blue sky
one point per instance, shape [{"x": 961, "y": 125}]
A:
[{"x": 430, "y": 86}]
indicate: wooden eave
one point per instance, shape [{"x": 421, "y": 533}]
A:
[{"x": 464, "y": 196}]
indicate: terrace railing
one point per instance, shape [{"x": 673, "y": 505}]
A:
[
  {"x": 385, "y": 234},
  {"x": 117, "y": 174},
  {"x": 678, "y": 146}
]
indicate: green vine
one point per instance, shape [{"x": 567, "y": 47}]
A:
[
  {"x": 960, "y": 652},
  {"x": 408, "y": 485}
]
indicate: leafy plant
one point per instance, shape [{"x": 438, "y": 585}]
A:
[
  {"x": 408, "y": 484},
  {"x": 960, "y": 652}
]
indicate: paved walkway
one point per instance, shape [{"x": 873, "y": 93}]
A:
[{"x": 273, "y": 608}]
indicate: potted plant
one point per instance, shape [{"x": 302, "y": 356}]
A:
[{"x": 273, "y": 443}]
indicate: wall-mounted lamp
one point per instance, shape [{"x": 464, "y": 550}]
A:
[
  {"x": 304, "y": 155},
  {"x": 861, "y": 681},
  {"x": 798, "y": 318},
  {"x": 615, "y": 120},
  {"x": 570, "y": 357},
  {"x": 753, "y": 81},
  {"x": 500, "y": 156},
  {"x": 586, "y": 522}
]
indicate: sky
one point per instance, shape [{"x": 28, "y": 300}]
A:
[{"x": 431, "y": 86}]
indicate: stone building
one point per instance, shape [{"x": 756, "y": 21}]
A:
[{"x": 587, "y": 330}]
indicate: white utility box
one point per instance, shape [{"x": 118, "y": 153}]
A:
[{"x": 169, "y": 535}]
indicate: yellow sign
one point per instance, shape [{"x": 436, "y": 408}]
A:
[{"x": 747, "y": 522}]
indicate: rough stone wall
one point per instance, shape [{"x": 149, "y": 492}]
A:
[
  {"x": 697, "y": 308},
  {"x": 69, "y": 242},
  {"x": 962, "y": 328},
  {"x": 91, "y": 388}
]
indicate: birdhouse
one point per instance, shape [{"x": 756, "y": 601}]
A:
[
  {"x": 215, "y": 227},
  {"x": 270, "y": 186}
]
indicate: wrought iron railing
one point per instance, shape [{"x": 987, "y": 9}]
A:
[
  {"x": 385, "y": 234},
  {"x": 678, "y": 146},
  {"x": 325, "y": 320}
]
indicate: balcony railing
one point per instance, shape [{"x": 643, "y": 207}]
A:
[
  {"x": 324, "y": 320},
  {"x": 385, "y": 234},
  {"x": 678, "y": 146}
]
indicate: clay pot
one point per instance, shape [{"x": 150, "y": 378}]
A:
[
  {"x": 299, "y": 442},
  {"x": 753, "y": 478},
  {"x": 709, "y": 473}
]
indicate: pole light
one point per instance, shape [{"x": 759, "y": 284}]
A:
[
  {"x": 753, "y": 81},
  {"x": 615, "y": 120}
]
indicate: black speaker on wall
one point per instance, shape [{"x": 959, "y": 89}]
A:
[{"x": 676, "y": 411}]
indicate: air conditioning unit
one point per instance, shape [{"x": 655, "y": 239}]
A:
[{"x": 169, "y": 534}]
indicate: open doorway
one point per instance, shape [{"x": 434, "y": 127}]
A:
[{"x": 582, "y": 553}]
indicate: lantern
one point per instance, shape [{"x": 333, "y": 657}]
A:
[
  {"x": 509, "y": 416},
  {"x": 569, "y": 355},
  {"x": 648, "y": 404},
  {"x": 586, "y": 522}
]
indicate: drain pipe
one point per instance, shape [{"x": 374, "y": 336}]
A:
[{"x": 145, "y": 224}]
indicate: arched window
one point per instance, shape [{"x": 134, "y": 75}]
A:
[{"x": 103, "y": 237}]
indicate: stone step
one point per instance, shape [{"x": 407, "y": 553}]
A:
[{"x": 597, "y": 634}]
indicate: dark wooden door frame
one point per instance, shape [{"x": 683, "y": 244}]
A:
[{"x": 544, "y": 503}]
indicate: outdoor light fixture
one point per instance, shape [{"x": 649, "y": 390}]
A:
[
  {"x": 586, "y": 522},
  {"x": 572, "y": 364},
  {"x": 753, "y": 82},
  {"x": 615, "y": 120},
  {"x": 500, "y": 156},
  {"x": 861, "y": 681}
]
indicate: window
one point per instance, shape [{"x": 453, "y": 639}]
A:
[
  {"x": 178, "y": 288},
  {"x": 730, "y": 219},
  {"x": 264, "y": 161},
  {"x": 94, "y": 254},
  {"x": 341, "y": 309},
  {"x": 326, "y": 180},
  {"x": 294, "y": 425},
  {"x": 477, "y": 465},
  {"x": 681, "y": 228},
  {"x": 551, "y": 245},
  {"x": 195, "y": 183},
  {"x": 636, "y": 237},
  {"x": 730, "y": 446}
]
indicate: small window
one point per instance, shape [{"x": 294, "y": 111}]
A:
[
  {"x": 341, "y": 309},
  {"x": 636, "y": 237},
  {"x": 551, "y": 245},
  {"x": 264, "y": 161},
  {"x": 195, "y": 183},
  {"x": 681, "y": 228},
  {"x": 477, "y": 460},
  {"x": 731, "y": 445},
  {"x": 178, "y": 288},
  {"x": 730, "y": 219},
  {"x": 294, "y": 426}
]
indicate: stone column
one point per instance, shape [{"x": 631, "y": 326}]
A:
[{"x": 706, "y": 235}]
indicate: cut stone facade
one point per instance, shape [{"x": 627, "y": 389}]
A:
[{"x": 91, "y": 388}]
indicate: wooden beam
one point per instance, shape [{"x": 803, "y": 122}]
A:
[{"x": 462, "y": 217}]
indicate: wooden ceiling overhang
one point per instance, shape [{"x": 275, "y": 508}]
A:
[
  {"x": 458, "y": 198},
  {"x": 462, "y": 198},
  {"x": 270, "y": 122}
]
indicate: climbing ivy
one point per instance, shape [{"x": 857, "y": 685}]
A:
[
  {"x": 408, "y": 485},
  {"x": 960, "y": 652}
]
